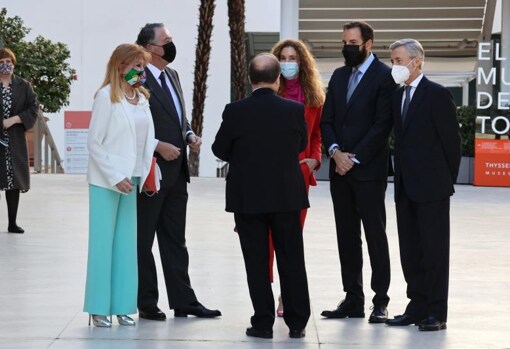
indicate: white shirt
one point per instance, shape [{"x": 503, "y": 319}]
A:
[
  {"x": 365, "y": 65},
  {"x": 414, "y": 85},
  {"x": 141, "y": 129},
  {"x": 157, "y": 72}
]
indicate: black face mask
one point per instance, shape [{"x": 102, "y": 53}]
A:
[
  {"x": 169, "y": 51},
  {"x": 353, "y": 55}
]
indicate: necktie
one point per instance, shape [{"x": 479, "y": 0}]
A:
[
  {"x": 164, "y": 85},
  {"x": 407, "y": 101},
  {"x": 353, "y": 82}
]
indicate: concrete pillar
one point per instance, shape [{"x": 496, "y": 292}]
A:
[
  {"x": 465, "y": 93},
  {"x": 289, "y": 23}
]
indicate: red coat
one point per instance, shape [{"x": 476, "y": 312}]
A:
[
  {"x": 312, "y": 151},
  {"x": 314, "y": 148}
]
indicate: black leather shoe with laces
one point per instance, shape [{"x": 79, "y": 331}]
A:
[
  {"x": 379, "y": 314},
  {"x": 346, "y": 308}
]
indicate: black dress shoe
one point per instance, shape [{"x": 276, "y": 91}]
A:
[
  {"x": 345, "y": 309},
  {"x": 297, "y": 333},
  {"x": 15, "y": 229},
  {"x": 196, "y": 309},
  {"x": 152, "y": 314},
  {"x": 379, "y": 315},
  {"x": 254, "y": 332},
  {"x": 402, "y": 320},
  {"x": 432, "y": 324}
]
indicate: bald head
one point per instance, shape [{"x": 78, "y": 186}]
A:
[{"x": 264, "y": 70}]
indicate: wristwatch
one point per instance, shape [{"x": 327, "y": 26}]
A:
[{"x": 333, "y": 150}]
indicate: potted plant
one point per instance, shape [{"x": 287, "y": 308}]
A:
[{"x": 467, "y": 116}]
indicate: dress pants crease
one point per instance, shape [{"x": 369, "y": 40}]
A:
[
  {"x": 112, "y": 277},
  {"x": 357, "y": 202},
  {"x": 424, "y": 239},
  {"x": 164, "y": 215},
  {"x": 288, "y": 242}
]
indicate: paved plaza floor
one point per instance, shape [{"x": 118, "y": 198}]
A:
[{"x": 42, "y": 277}]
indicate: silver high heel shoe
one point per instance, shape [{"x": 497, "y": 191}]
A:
[
  {"x": 100, "y": 320},
  {"x": 125, "y": 320}
]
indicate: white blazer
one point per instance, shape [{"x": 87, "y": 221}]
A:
[{"x": 112, "y": 141}]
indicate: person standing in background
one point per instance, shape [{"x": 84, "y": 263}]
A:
[
  {"x": 356, "y": 123},
  {"x": 427, "y": 159},
  {"x": 300, "y": 81},
  {"x": 19, "y": 114},
  {"x": 165, "y": 214},
  {"x": 120, "y": 143}
]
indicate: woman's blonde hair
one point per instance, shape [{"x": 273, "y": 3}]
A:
[
  {"x": 309, "y": 76},
  {"x": 124, "y": 54}
]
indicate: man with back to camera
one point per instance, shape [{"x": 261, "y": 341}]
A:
[
  {"x": 165, "y": 213},
  {"x": 427, "y": 159},
  {"x": 261, "y": 137},
  {"x": 356, "y": 123}
]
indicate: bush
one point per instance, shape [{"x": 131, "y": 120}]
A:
[
  {"x": 41, "y": 62},
  {"x": 466, "y": 116}
]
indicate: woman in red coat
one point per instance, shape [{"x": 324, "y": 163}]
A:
[{"x": 300, "y": 81}]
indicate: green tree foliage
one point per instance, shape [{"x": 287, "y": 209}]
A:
[
  {"x": 41, "y": 61},
  {"x": 466, "y": 115}
]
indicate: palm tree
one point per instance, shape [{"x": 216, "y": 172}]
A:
[
  {"x": 202, "y": 55},
  {"x": 239, "y": 77}
]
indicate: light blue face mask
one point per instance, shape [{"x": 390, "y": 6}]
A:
[{"x": 290, "y": 70}]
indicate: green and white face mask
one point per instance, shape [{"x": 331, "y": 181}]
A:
[{"x": 135, "y": 78}]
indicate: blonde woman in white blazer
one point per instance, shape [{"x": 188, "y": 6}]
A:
[{"x": 121, "y": 144}]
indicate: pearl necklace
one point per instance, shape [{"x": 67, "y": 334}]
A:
[{"x": 132, "y": 98}]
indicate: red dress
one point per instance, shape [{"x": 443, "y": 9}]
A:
[{"x": 312, "y": 151}]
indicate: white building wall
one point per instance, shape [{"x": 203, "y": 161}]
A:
[
  {"x": 93, "y": 28},
  {"x": 262, "y": 15}
]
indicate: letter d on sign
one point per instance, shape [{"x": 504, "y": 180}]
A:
[{"x": 479, "y": 100}]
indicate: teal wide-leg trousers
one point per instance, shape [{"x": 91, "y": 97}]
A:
[{"x": 112, "y": 272}]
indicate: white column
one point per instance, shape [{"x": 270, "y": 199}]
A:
[
  {"x": 505, "y": 42},
  {"x": 289, "y": 19},
  {"x": 465, "y": 93}
]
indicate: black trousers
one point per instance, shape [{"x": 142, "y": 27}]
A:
[
  {"x": 164, "y": 214},
  {"x": 424, "y": 239},
  {"x": 357, "y": 202},
  {"x": 288, "y": 244}
]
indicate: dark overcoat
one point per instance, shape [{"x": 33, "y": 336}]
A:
[{"x": 25, "y": 105}]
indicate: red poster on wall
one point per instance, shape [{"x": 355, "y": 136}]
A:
[
  {"x": 492, "y": 138},
  {"x": 492, "y": 162}
]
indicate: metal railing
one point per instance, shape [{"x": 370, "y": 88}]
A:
[{"x": 44, "y": 144}]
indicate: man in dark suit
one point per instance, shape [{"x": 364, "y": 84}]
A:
[
  {"x": 356, "y": 122},
  {"x": 261, "y": 138},
  {"x": 165, "y": 213},
  {"x": 427, "y": 158}
]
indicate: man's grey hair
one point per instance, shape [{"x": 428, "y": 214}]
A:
[{"x": 413, "y": 47}]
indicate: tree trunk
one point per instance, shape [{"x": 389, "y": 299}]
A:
[
  {"x": 239, "y": 77},
  {"x": 202, "y": 55}
]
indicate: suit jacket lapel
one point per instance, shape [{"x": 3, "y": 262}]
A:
[
  {"x": 178, "y": 92},
  {"x": 415, "y": 100},
  {"x": 365, "y": 80},
  {"x": 397, "y": 107},
  {"x": 157, "y": 91},
  {"x": 344, "y": 77}
]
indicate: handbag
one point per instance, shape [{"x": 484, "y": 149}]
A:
[{"x": 152, "y": 185}]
